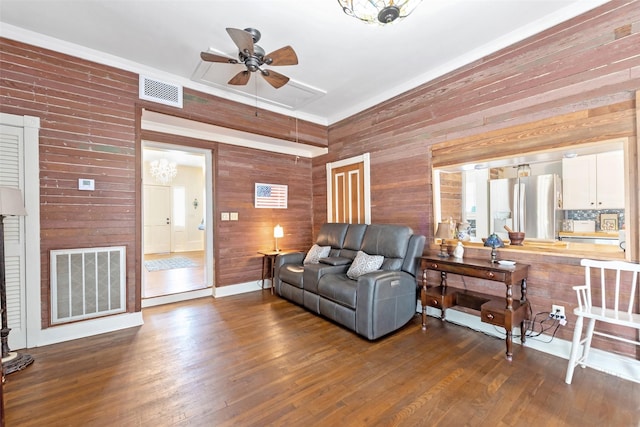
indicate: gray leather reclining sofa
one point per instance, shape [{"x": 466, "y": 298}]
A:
[{"x": 374, "y": 304}]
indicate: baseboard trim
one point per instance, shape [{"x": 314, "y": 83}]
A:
[
  {"x": 72, "y": 331},
  {"x": 610, "y": 363},
  {"x": 183, "y": 296},
  {"x": 240, "y": 288}
]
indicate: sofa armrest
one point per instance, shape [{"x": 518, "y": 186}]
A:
[
  {"x": 286, "y": 258},
  {"x": 290, "y": 258},
  {"x": 386, "y": 300}
]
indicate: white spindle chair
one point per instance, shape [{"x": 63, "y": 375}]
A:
[{"x": 622, "y": 309}]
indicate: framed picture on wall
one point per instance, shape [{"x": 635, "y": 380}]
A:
[
  {"x": 609, "y": 222},
  {"x": 273, "y": 196}
]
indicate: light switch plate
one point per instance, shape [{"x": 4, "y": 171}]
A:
[
  {"x": 224, "y": 216},
  {"x": 233, "y": 216}
]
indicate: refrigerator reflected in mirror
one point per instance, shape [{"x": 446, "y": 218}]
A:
[{"x": 531, "y": 204}]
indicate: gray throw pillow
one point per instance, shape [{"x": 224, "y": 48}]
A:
[
  {"x": 364, "y": 263},
  {"x": 315, "y": 253}
]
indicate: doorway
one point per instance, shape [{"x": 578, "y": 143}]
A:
[
  {"x": 177, "y": 196},
  {"x": 348, "y": 194}
]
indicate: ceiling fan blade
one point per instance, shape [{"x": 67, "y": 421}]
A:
[
  {"x": 212, "y": 57},
  {"x": 240, "y": 79},
  {"x": 242, "y": 39},
  {"x": 283, "y": 56},
  {"x": 276, "y": 80}
]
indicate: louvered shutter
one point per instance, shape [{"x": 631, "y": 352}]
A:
[{"x": 12, "y": 175}]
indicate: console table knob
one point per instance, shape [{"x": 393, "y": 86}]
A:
[
  {"x": 490, "y": 316},
  {"x": 434, "y": 266},
  {"x": 490, "y": 274}
]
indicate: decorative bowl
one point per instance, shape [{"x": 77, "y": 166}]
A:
[{"x": 516, "y": 237}]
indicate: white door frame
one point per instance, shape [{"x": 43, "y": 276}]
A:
[{"x": 364, "y": 158}]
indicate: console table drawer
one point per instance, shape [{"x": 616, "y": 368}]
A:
[
  {"x": 438, "y": 297},
  {"x": 493, "y": 275},
  {"x": 492, "y": 315},
  {"x": 480, "y": 273}
]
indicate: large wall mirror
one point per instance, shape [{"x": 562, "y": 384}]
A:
[
  {"x": 574, "y": 194},
  {"x": 566, "y": 181}
]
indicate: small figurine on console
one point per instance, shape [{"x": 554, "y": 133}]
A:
[{"x": 458, "y": 252}]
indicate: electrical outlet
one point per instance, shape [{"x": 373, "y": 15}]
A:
[{"x": 557, "y": 312}]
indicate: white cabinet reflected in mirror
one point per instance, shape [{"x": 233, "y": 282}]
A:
[{"x": 527, "y": 194}]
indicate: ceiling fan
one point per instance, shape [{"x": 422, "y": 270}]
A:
[{"x": 253, "y": 57}]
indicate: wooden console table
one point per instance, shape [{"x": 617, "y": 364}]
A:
[{"x": 494, "y": 310}]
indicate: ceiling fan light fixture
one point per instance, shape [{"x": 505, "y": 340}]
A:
[
  {"x": 379, "y": 12},
  {"x": 253, "y": 57}
]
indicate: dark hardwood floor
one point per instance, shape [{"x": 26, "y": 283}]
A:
[{"x": 257, "y": 360}]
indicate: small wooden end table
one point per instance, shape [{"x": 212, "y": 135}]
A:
[{"x": 269, "y": 266}]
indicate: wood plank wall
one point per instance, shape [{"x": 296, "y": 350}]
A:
[
  {"x": 87, "y": 131},
  {"x": 89, "y": 118},
  {"x": 589, "y": 63},
  {"x": 90, "y": 128},
  {"x": 236, "y": 170},
  {"x": 451, "y": 196}
]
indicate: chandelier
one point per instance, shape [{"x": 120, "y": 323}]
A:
[
  {"x": 378, "y": 11},
  {"x": 163, "y": 171}
]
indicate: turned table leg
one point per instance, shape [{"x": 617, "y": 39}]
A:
[
  {"x": 423, "y": 299},
  {"x": 509, "y": 345}
]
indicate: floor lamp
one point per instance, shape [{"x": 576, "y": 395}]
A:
[{"x": 10, "y": 204}]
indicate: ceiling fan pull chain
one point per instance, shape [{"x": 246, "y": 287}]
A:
[{"x": 255, "y": 85}]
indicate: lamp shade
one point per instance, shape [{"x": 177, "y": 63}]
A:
[
  {"x": 278, "y": 231},
  {"x": 443, "y": 231},
  {"x": 11, "y": 202}
]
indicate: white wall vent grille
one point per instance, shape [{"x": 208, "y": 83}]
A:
[
  {"x": 157, "y": 91},
  {"x": 87, "y": 283}
]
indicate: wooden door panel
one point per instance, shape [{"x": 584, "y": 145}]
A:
[{"x": 348, "y": 194}]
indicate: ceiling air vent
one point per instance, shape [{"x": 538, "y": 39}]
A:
[{"x": 157, "y": 91}]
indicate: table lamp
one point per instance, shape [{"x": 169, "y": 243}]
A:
[
  {"x": 443, "y": 233},
  {"x": 277, "y": 233},
  {"x": 11, "y": 204}
]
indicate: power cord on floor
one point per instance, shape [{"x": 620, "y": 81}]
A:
[{"x": 530, "y": 331}]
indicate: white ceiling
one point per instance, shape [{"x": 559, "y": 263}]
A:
[{"x": 344, "y": 65}]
